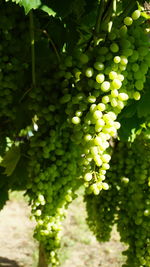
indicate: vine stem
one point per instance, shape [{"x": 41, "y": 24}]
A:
[
  {"x": 99, "y": 16},
  {"x": 32, "y": 47},
  {"x": 42, "y": 257},
  {"x": 53, "y": 45}
]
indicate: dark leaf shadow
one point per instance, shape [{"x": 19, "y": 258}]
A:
[{"x": 4, "y": 262}]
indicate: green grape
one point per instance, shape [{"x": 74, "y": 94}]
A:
[
  {"x": 117, "y": 59},
  {"x": 100, "y": 78},
  {"x": 105, "y": 86},
  {"x": 116, "y": 83},
  {"x": 75, "y": 120},
  {"x": 114, "y": 48},
  {"x": 136, "y": 14},
  {"x": 112, "y": 75},
  {"x": 89, "y": 72},
  {"x": 98, "y": 66},
  {"x": 128, "y": 21}
]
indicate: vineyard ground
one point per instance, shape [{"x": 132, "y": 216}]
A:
[{"x": 79, "y": 246}]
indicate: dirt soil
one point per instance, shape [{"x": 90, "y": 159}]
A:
[{"x": 79, "y": 246}]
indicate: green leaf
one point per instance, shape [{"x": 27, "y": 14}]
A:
[
  {"x": 129, "y": 127},
  {"x": 48, "y": 10},
  {"x": 19, "y": 178},
  {"x": 27, "y": 4},
  {"x": 10, "y": 160},
  {"x": 143, "y": 108}
]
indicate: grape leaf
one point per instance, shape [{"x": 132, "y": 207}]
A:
[
  {"x": 129, "y": 127},
  {"x": 143, "y": 108},
  {"x": 27, "y": 4},
  {"x": 48, "y": 10},
  {"x": 10, "y": 160}
]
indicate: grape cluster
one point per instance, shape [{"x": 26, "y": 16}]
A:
[
  {"x": 72, "y": 117},
  {"x": 127, "y": 202},
  {"x": 14, "y": 63},
  {"x": 77, "y": 120},
  {"x": 97, "y": 86}
]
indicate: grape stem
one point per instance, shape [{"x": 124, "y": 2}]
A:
[
  {"x": 53, "y": 45},
  {"x": 32, "y": 47}
]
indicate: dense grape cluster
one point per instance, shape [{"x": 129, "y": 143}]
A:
[
  {"x": 67, "y": 117},
  {"x": 127, "y": 202},
  {"x": 14, "y": 65},
  {"x": 77, "y": 120},
  {"x": 97, "y": 87}
]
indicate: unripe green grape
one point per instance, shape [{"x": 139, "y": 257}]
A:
[
  {"x": 128, "y": 52},
  {"x": 122, "y": 67},
  {"x": 134, "y": 56},
  {"x": 139, "y": 85},
  {"x": 124, "y": 60},
  {"x": 97, "y": 114},
  {"x": 120, "y": 104},
  {"x": 105, "y": 166},
  {"x": 68, "y": 198},
  {"x": 136, "y": 14},
  {"x": 88, "y": 177},
  {"x": 105, "y": 186},
  {"x": 117, "y": 125},
  {"x": 109, "y": 56},
  {"x": 123, "y": 30},
  {"x": 112, "y": 75},
  {"x": 117, "y": 59},
  {"x": 114, "y": 47},
  {"x": 88, "y": 137},
  {"x": 101, "y": 106},
  {"x": 114, "y": 93},
  {"x": 105, "y": 86},
  {"x": 103, "y": 50},
  {"x": 76, "y": 120},
  {"x": 112, "y": 115},
  {"x": 107, "y": 118},
  {"x": 112, "y": 36},
  {"x": 38, "y": 213},
  {"x": 89, "y": 72},
  {"x": 106, "y": 158},
  {"x": 116, "y": 83},
  {"x": 98, "y": 160},
  {"x": 100, "y": 78},
  {"x": 78, "y": 113},
  {"x": 146, "y": 212},
  {"x": 136, "y": 95},
  {"x": 107, "y": 70},
  {"x": 100, "y": 123},
  {"x": 123, "y": 96},
  {"x": 94, "y": 150},
  {"x": 91, "y": 99},
  {"x": 84, "y": 58},
  {"x": 105, "y": 99},
  {"x": 120, "y": 77},
  {"x": 135, "y": 67},
  {"x": 97, "y": 141},
  {"x": 128, "y": 21},
  {"x": 98, "y": 128},
  {"x": 98, "y": 66},
  {"x": 93, "y": 107},
  {"x": 113, "y": 102}
]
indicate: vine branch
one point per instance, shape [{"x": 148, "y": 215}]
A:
[
  {"x": 99, "y": 16},
  {"x": 32, "y": 47}
]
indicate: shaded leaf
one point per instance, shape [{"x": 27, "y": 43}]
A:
[
  {"x": 143, "y": 108},
  {"x": 27, "y": 4},
  {"x": 10, "y": 160}
]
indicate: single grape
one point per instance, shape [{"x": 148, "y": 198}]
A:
[{"x": 128, "y": 21}]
